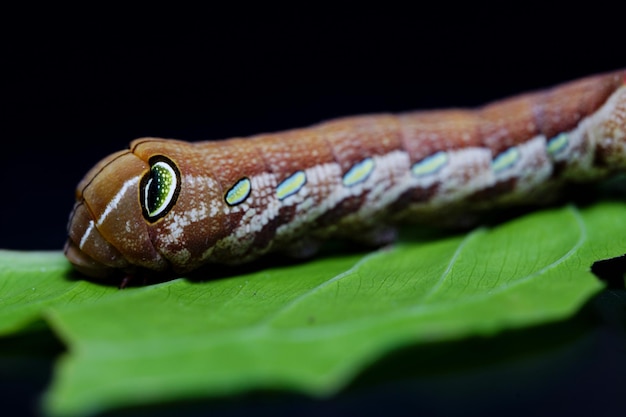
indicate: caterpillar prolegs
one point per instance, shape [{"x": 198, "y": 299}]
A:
[{"x": 168, "y": 206}]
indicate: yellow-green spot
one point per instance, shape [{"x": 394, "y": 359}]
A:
[
  {"x": 238, "y": 192},
  {"x": 291, "y": 185},
  {"x": 160, "y": 188},
  {"x": 359, "y": 172},
  {"x": 505, "y": 160},
  {"x": 558, "y": 143},
  {"x": 430, "y": 164}
]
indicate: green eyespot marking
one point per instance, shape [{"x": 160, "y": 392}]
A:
[
  {"x": 291, "y": 185},
  {"x": 238, "y": 192},
  {"x": 505, "y": 160},
  {"x": 159, "y": 188},
  {"x": 359, "y": 172},
  {"x": 430, "y": 165},
  {"x": 558, "y": 143}
]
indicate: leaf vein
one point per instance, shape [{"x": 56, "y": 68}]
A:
[{"x": 446, "y": 273}]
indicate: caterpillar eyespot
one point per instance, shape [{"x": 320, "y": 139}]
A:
[
  {"x": 505, "y": 160},
  {"x": 238, "y": 193},
  {"x": 170, "y": 207},
  {"x": 557, "y": 144},
  {"x": 291, "y": 185},
  {"x": 359, "y": 172},
  {"x": 430, "y": 164},
  {"x": 159, "y": 188}
]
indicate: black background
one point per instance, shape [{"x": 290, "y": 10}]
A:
[{"x": 78, "y": 84}]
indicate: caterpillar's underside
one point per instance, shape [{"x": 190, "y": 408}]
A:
[{"x": 171, "y": 206}]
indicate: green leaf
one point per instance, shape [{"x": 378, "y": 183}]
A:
[
  {"x": 310, "y": 327},
  {"x": 32, "y": 281}
]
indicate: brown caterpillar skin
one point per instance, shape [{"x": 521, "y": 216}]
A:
[{"x": 167, "y": 206}]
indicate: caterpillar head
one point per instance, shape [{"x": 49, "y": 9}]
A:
[{"x": 139, "y": 210}]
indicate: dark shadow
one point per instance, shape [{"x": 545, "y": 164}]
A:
[
  {"x": 26, "y": 367},
  {"x": 612, "y": 272}
]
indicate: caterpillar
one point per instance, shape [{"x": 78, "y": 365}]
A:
[{"x": 170, "y": 207}]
